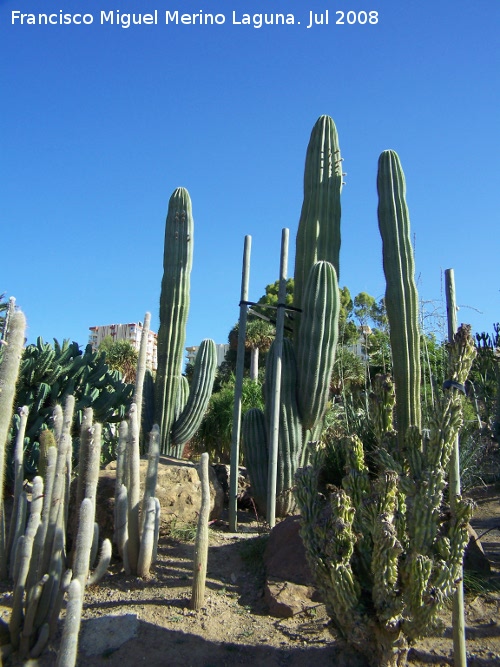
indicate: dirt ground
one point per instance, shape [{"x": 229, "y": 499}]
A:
[{"x": 129, "y": 622}]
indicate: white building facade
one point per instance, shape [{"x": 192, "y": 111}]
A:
[{"x": 131, "y": 332}]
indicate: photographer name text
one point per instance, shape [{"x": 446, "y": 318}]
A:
[{"x": 199, "y": 19}]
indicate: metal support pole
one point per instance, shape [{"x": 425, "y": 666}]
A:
[
  {"x": 275, "y": 403},
  {"x": 240, "y": 361}
]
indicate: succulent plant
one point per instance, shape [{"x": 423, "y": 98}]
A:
[
  {"x": 381, "y": 555},
  {"x": 178, "y": 422}
]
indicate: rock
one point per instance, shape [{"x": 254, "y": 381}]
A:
[
  {"x": 475, "y": 559},
  {"x": 107, "y": 633},
  {"x": 244, "y": 499},
  {"x": 285, "y": 555},
  {"x": 178, "y": 489},
  {"x": 286, "y": 599},
  {"x": 289, "y": 587}
]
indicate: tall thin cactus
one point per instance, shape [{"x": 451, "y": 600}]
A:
[
  {"x": 318, "y": 235},
  {"x": 401, "y": 298},
  {"x": 9, "y": 371},
  {"x": 174, "y": 306}
]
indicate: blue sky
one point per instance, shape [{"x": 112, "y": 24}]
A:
[{"x": 100, "y": 124}]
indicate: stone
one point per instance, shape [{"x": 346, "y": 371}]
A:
[
  {"x": 285, "y": 599},
  {"x": 178, "y": 489},
  {"x": 285, "y": 555},
  {"x": 289, "y": 587},
  {"x": 107, "y": 633},
  {"x": 475, "y": 560}
]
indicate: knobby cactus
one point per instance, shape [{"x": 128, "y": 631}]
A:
[
  {"x": 177, "y": 415},
  {"x": 382, "y": 557}
]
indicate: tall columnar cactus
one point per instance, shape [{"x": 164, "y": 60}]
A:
[
  {"x": 308, "y": 364},
  {"x": 318, "y": 235},
  {"x": 401, "y": 298},
  {"x": 9, "y": 371},
  {"x": 174, "y": 306}
]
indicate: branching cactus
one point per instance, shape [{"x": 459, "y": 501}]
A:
[
  {"x": 39, "y": 566},
  {"x": 382, "y": 558},
  {"x": 381, "y": 555},
  {"x": 175, "y": 428}
]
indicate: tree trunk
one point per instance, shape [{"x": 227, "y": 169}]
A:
[{"x": 254, "y": 364}]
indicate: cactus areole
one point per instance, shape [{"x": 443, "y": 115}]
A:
[{"x": 174, "y": 307}]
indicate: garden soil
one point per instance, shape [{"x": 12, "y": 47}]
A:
[{"x": 128, "y": 622}]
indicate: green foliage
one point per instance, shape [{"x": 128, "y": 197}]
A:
[
  {"x": 50, "y": 373},
  {"x": 215, "y": 431},
  {"x": 485, "y": 378},
  {"x": 121, "y": 356}
]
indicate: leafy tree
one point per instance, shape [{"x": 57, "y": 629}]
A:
[{"x": 121, "y": 356}]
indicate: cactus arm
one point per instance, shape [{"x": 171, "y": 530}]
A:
[
  {"x": 316, "y": 342},
  {"x": 201, "y": 389},
  {"x": 401, "y": 297}
]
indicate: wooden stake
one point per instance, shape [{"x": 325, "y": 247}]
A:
[{"x": 458, "y": 619}]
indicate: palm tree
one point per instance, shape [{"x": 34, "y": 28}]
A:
[{"x": 259, "y": 336}]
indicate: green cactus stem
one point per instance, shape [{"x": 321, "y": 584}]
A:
[
  {"x": 318, "y": 235},
  {"x": 9, "y": 371},
  {"x": 205, "y": 367},
  {"x": 316, "y": 342},
  {"x": 401, "y": 297},
  {"x": 68, "y": 650},
  {"x": 174, "y": 306}
]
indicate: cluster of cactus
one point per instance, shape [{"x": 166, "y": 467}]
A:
[
  {"x": 50, "y": 373},
  {"x": 307, "y": 363},
  {"x": 179, "y": 408},
  {"x": 136, "y": 526},
  {"x": 382, "y": 557},
  {"x": 41, "y": 564}
]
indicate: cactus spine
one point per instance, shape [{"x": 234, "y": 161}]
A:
[
  {"x": 401, "y": 298},
  {"x": 174, "y": 306}
]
